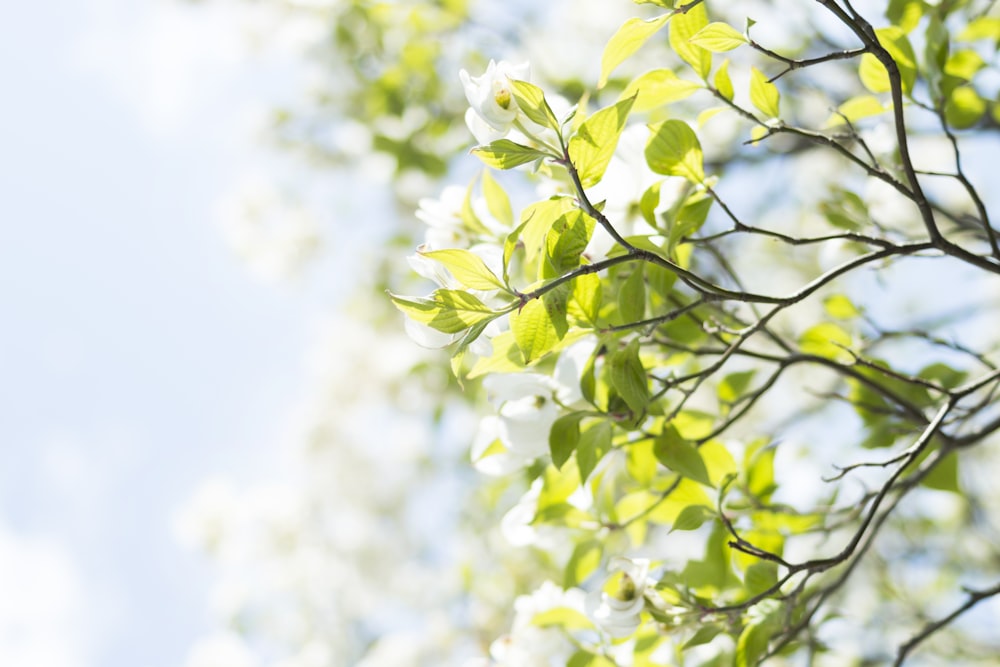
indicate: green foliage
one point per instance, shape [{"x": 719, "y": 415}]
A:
[{"x": 725, "y": 318}]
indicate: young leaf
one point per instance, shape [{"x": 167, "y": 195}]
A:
[
  {"x": 656, "y": 88},
  {"x": 563, "y": 437},
  {"x": 718, "y": 37},
  {"x": 723, "y": 83},
  {"x": 534, "y": 330},
  {"x": 582, "y": 563},
  {"x": 856, "y": 108},
  {"x": 531, "y": 100},
  {"x": 585, "y": 299},
  {"x": 692, "y": 517},
  {"x": 632, "y": 35},
  {"x": 683, "y": 27},
  {"x": 448, "y": 311},
  {"x": 964, "y": 107},
  {"x": 591, "y": 148},
  {"x": 632, "y": 297},
  {"x": 629, "y": 377},
  {"x": 467, "y": 268},
  {"x": 673, "y": 149},
  {"x": 827, "y": 340},
  {"x": 505, "y": 154},
  {"x": 682, "y": 457},
  {"x": 763, "y": 94},
  {"x": 595, "y": 441},
  {"x": 873, "y": 74},
  {"x": 497, "y": 200}
]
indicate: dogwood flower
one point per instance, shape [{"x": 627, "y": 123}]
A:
[
  {"x": 616, "y": 606},
  {"x": 493, "y": 109},
  {"x": 528, "y": 645}
]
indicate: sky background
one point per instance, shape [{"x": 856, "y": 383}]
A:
[{"x": 138, "y": 355}]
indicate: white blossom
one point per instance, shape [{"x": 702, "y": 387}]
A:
[
  {"x": 493, "y": 109},
  {"x": 617, "y": 612}
]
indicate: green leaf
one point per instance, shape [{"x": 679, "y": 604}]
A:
[
  {"x": 683, "y": 27},
  {"x": 718, "y": 37},
  {"x": 656, "y": 88},
  {"x": 875, "y": 77},
  {"x": 718, "y": 461},
  {"x": 467, "y": 268},
  {"x": 856, "y": 108},
  {"x": 760, "y": 576},
  {"x": 760, "y": 470},
  {"x": 585, "y": 298},
  {"x": 591, "y": 148},
  {"x": 448, "y": 311},
  {"x": 506, "y": 357},
  {"x": 505, "y": 154},
  {"x": 964, "y": 107},
  {"x": 722, "y": 81},
  {"x": 562, "y": 617},
  {"x": 681, "y": 456},
  {"x": 563, "y": 437},
  {"x": 734, "y": 385},
  {"x": 632, "y": 297},
  {"x": 588, "y": 659},
  {"x": 752, "y": 644},
  {"x": 497, "y": 200},
  {"x": 964, "y": 64},
  {"x": 827, "y": 340},
  {"x": 705, "y": 634},
  {"x": 984, "y": 27},
  {"x": 673, "y": 149},
  {"x": 595, "y": 441},
  {"x": 629, "y": 377},
  {"x": 763, "y": 94},
  {"x": 632, "y": 35},
  {"x": 692, "y": 517},
  {"x": 534, "y": 330},
  {"x": 531, "y": 100},
  {"x": 582, "y": 563},
  {"x": 565, "y": 242},
  {"x": 640, "y": 461},
  {"x": 839, "y": 307}
]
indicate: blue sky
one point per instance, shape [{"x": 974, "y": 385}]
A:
[{"x": 138, "y": 356}]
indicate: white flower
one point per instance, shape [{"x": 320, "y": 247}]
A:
[
  {"x": 617, "y": 611},
  {"x": 525, "y": 409},
  {"x": 529, "y": 645},
  {"x": 493, "y": 109}
]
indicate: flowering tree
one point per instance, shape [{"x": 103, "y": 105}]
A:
[{"x": 732, "y": 305}]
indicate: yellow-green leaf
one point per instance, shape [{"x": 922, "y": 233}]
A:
[
  {"x": 856, "y": 108},
  {"x": 534, "y": 330},
  {"x": 964, "y": 107},
  {"x": 763, "y": 94},
  {"x": 656, "y": 88},
  {"x": 594, "y": 143},
  {"x": 673, "y": 149},
  {"x": 505, "y": 154},
  {"x": 683, "y": 27},
  {"x": 467, "y": 268},
  {"x": 718, "y": 37},
  {"x": 629, "y": 377},
  {"x": 875, "y": 77},
  {"x": 531, "y": 100},
  {"x": 497, "y": 200},
  {"x": 723, "y": 83},
  {"x": 827, "y": 340},
  {"x": 448, "y": 311},
  {"x": 632, "y": 35}
]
